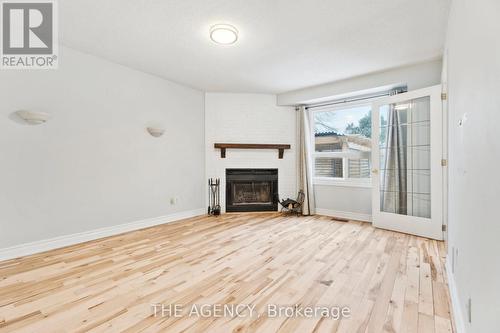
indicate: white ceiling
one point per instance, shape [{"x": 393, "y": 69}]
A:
[{"x": 284, "y": 44}]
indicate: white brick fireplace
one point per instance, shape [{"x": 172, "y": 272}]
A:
[{"x": 250, "y": 118}]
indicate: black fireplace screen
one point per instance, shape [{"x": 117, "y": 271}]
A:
[
  {"x": 255, "y": 193},
  {"x": 251, "y": 190}
]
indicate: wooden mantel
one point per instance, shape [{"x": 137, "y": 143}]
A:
[{"x": 223, "y": 146}]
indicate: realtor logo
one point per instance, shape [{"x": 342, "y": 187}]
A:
[{"x": 29, "y": 34}]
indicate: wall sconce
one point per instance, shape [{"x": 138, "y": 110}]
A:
[
  {"x": 33, "y": 117},
  {"x": 155, "y": 131}
]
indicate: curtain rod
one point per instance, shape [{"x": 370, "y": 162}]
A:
[{"x": 355, "y": 99}]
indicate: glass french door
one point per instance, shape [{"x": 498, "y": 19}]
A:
[{"x": 406, "y": 157}]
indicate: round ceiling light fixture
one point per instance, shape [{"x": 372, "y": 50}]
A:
[{"x": 224, "y": 34}]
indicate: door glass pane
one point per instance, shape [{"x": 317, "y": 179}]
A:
[{"x": 404, "y": 147}]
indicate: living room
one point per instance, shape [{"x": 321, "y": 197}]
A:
[{"x": 220, "y": 166}]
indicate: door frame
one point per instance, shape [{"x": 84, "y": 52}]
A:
[{"x": 430, "y": 228}]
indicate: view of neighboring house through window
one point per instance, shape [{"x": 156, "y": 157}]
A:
[{"x": 342, "y": 141}]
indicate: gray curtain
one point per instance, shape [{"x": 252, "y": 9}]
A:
[
  {"x": 394, "y": 168},
  {"x": 304, "y": 167}
]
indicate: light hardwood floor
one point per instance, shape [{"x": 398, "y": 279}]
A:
[{"x": 392, "y": 282}]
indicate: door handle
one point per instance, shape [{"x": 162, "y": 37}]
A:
[{"x": 374, "y": 171}]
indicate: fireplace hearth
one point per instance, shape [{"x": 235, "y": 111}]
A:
[{"x": 251, "y": 190}]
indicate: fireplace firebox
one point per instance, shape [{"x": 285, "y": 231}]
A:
[{"x": 251, "y": 190}]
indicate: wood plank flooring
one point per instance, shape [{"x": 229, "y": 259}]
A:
[{"x": 392, "y": 282}]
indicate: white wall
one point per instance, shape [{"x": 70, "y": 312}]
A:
[
  {"x": 94, "y": 165},
  {"x": 250, "y": 118},
  {"x": 416, "y": 76},
  {"x": 473, "y": 67},
  {"x": 344, "y": 201}
]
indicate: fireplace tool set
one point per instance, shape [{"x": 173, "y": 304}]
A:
[{"x": 214, "y": 196}]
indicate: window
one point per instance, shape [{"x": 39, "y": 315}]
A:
[{"x": 342, "y": 145}]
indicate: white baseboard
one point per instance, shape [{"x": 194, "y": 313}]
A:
[
  {"x": 344, "y": 215},
  {"x": 62, "y": 241},
  {"x": 455, "y": 300}
]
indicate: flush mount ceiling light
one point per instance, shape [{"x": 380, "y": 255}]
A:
[
  {"x": 33, "y": 117},
  {"x": 224, "y": 34}
]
